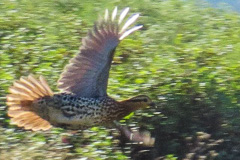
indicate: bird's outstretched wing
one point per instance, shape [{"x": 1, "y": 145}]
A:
[{"x": 87, "y": 74}]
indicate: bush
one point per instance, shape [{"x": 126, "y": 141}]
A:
[{"x": 185, "y": 58}]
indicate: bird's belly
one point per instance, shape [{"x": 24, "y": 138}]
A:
[{"x": 78, "y": 121}]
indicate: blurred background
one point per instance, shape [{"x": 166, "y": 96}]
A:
[{"x": 186, "y": 58}]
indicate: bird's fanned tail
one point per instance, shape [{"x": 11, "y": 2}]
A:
[{"x": 22, "y": 95}]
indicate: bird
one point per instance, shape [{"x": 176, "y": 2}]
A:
[{"x": 83, "y": 101}]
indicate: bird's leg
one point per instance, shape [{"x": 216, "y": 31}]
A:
[{"x": 143, "y": 138}]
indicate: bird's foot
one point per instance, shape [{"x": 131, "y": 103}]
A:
[{"x": 143, "y": 138}]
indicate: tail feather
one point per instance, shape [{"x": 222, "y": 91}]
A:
[
  {"x": 26, "y": 87},
  {"x": 22, "y": 95},
  {"x": 29, "y": 125},
  {"x": 22, "y": 92}
]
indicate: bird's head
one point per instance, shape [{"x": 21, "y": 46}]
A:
[
  {"x": 142, "y": 101},
  {"x": 138, "y": 102}
]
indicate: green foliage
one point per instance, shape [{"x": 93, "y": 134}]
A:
[
  {"x": 186, "y": 58},
  {"x": 170, "y": 157}
]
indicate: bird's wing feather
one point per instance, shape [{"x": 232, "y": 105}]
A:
[{"x": 87, "y": 74}]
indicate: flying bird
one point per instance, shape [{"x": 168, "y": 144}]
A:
[{"x": 83, "y": 101}]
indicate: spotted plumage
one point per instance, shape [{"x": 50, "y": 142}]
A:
[
  {"x": 83, "y": 101},
  {"x": 78, "y": 112}
]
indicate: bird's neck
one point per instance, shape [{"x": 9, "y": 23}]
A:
[{"x": 126, "y": 107}]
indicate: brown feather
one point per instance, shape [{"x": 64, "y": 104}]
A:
[
  {"x": 97, "y": 49},
  {"x": 20, "y": 101}
]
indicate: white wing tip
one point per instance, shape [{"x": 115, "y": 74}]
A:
[
  {"x": 130, "y": 21},
  {"x": 106, "y": 15},
  {"x": 124, "y": 31},
  {"x": 114, "y": 13},
  {"x": 128, "y": 32},
  {"x": 123, "y": 14}
]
